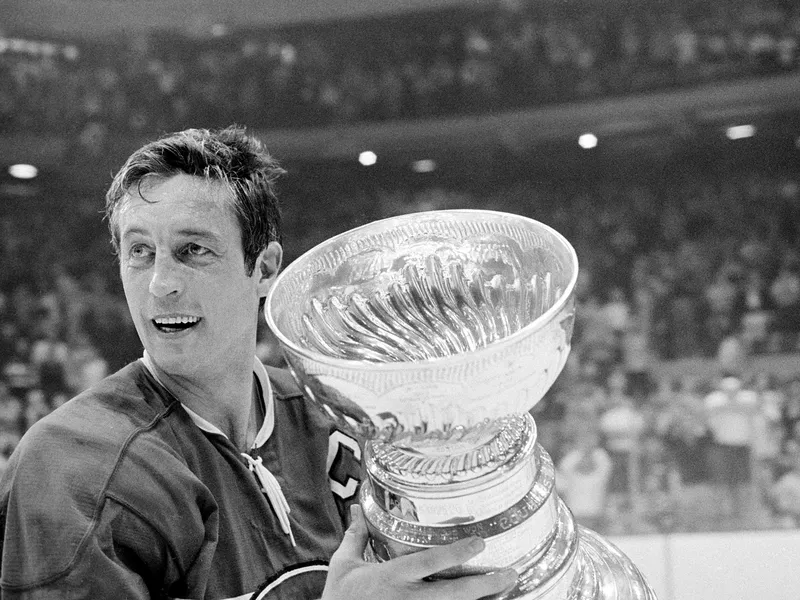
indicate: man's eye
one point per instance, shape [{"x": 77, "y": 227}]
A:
[
  {"x": 196, "y": 250},
  {"x": 139, "y": 251}
]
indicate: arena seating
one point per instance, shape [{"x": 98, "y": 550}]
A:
[{"x": 697, "y": 265}]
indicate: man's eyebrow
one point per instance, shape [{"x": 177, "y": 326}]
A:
[
  {"x": 187, "y": 232},
  {"x": 198, "y": 233},
  {"x": 133, "y": 231}
]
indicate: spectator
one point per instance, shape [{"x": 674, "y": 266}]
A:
[
  {"x": 723, "y": 300},
  {"x": 680, "y": 421},
  {"x": 621, "y": 426},
  {"x": 637, "y": 361},
  {"x": 790, "y": 411},
  {"x": 785, "y": 293},
  {"x": 72, "y": 298},
  {"x": 785, "y": 493},
  {"x": 85, "y": 366},
  {"x": 49, "y": 356},
  {"x": 732, "y": 353},
  {"x": 731, "y": 410},
  {"x": 684, "y": 314},
  {"x": 8, "y": 441},
  {"x": 757, "y": 316},
  {"x": 582, "y": 478},
  {"x": 767, "y": 433},
  {"x": 8, "y": 341},
  {"x": 12, "y": 423},
  {"x": 661, "y": 486},
  {"x": 18, "y": 372},
  {"x": 106, "y": 322},
  {"x": 595, "y": 334},
  {"x": 23, "y": 308},
  {"x": 582, "y": 405},
  {"x": 36, "y": 407},
  {"x": 617, "y": 313}
]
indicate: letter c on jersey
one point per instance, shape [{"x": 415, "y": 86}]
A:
[{"x": 344, "y": 464}]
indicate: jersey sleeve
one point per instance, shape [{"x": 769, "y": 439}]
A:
[
  {"x": 78, "y": 525},
  {"x": 107, "y": 562}
]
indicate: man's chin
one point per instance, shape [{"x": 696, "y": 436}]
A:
[{"x": 170, "y": 357}]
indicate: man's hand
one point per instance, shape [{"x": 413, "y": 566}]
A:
[{"x": 350, "y": 577}]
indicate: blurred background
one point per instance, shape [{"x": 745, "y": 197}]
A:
[{"x": 662, "y": 138}]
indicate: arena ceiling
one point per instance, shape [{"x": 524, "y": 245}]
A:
[
  {"x": 99, "y": 18},
  {"x": 656, "y": 125}
]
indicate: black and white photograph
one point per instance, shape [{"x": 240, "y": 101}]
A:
[{"x": 399, "y": 300}]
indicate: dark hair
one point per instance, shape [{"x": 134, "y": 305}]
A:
[{"x": 230, "y": 156}]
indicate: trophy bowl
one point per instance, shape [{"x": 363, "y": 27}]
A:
[{"x": 432, "y": 335}]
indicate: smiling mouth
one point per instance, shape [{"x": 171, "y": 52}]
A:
[{"x": 175, "y": 324}]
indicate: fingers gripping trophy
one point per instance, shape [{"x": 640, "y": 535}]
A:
[{"x": 436, "y": 333}]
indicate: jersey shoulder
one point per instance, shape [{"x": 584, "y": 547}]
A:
[
  {"x": 71, "y": 461},
  {"x": 94, "y": 427},
  {"x": 324, "y": 405}
]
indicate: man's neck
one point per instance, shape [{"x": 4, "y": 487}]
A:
[{"x": 229, "y": 400}]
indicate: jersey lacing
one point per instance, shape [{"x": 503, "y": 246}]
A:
[{"x": 271, "y": 487}]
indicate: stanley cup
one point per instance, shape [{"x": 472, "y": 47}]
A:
[{"x": 433, "y": 335}]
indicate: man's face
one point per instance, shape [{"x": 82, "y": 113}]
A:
[{"x": 182, "y": 267}]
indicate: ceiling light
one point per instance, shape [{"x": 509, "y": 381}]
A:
[
  {"x": 23, "y": 171},
  {"x": 738, "y": 132},
  {"x": 587, "y": 141},
  {"x": 367, "y": 158},
  {"x": 423, "y": 166}
]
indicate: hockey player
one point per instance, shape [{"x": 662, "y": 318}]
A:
[{"x": 196, "y": 472}]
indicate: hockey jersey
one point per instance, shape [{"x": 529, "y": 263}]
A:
[{"x": 120, "y": 493}]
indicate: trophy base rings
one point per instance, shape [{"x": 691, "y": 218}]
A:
[{"x": 513, "y": 506}]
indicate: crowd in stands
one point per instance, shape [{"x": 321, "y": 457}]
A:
[
  {"x": 704, "y": 266},
  {"x": 698, "y": 264},
  {"x": 516, "y": 54}
]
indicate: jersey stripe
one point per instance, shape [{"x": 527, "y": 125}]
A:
[{"x": 308, "y": 568}]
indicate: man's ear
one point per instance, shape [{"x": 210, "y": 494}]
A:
[{"x": 268, "y": 265}]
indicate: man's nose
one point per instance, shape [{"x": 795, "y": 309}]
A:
[{"x": 166, "y": 278}]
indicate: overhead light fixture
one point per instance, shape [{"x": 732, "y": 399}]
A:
[
  {"x": 70, "y": 52},
  {"x": 587, "y": 141},
  {"x": 23, "y": 171},
  {"x": 738, "y": 132},
  {"x": 368, "y": 158},
  {"x": 425, "y": 165}
]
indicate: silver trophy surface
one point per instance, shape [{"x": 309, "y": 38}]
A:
[{"x": 434, "y": 334}]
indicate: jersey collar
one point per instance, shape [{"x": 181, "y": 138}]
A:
[{"x": 266, "y": 397}]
